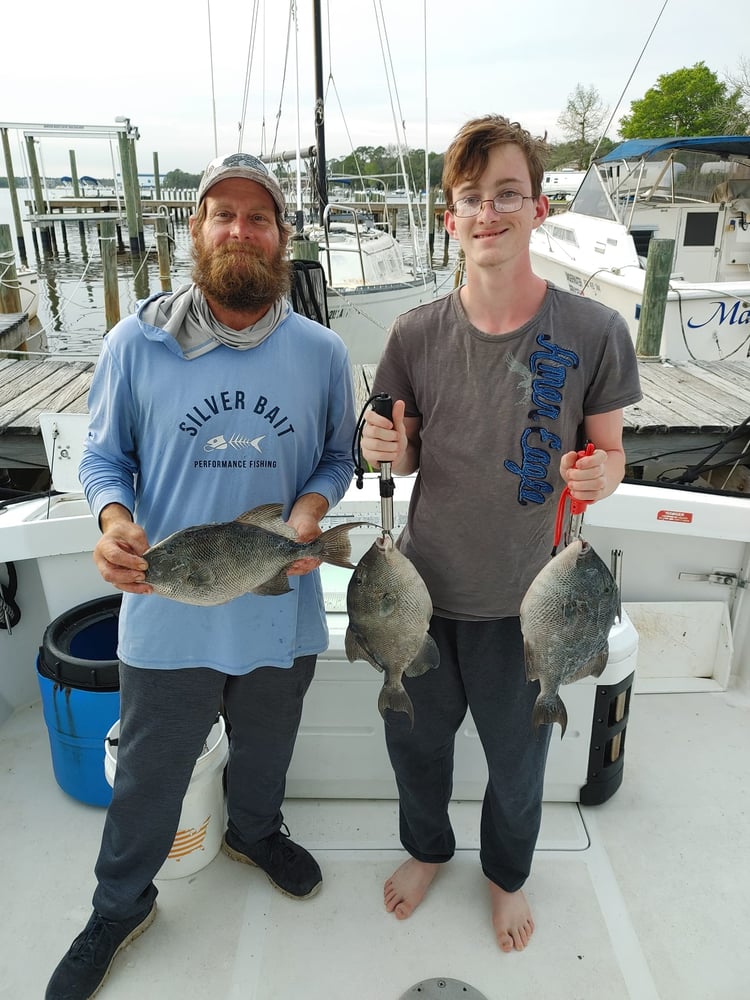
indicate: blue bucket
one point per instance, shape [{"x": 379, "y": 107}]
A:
[{"x": 77, "y": 670}]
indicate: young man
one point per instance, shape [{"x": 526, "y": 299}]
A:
[
  {"x": 204, "y": 404},
  {"x": 495, "y": 387}
]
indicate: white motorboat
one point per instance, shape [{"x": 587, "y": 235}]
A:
[
  {"x": 560, "y": 185},
  {"x": 638, "y": 889},
  {"x": 694, "y": 191},
  {"x": 28, "y": 280},
  {"x": 369, "y": 284}
]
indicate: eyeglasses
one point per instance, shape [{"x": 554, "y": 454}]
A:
[{"x": 508, "y": 201}]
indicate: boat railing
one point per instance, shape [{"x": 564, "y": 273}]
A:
[{"x": 333, "y": 207}]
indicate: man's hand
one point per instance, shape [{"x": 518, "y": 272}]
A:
[{"x": 118, "y": 553}]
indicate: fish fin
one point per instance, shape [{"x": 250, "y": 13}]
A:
[
  {"x": 356, "y": 650},
  {"x": 593, "y": 667},
  {"x": 532, "y": 674},
  {"x": 548, "y": 709},
  {"x": 599, "y": 662},
  {"x": 200, "y": 576},
  {"x": 278, "y": 584},
  {"x": 268, "y": 517},
  {"x": 388, "y": 604},
  {"x": 335, "y": 546},
  {"x": 395, "y": 698},
  {"x": 426, "y": 659}
]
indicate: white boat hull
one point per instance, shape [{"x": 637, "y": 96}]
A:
[
  {"x": 688, "y": 197},
  {"x": 362, "y": 317},
  {"x": 29, "y": 291},
  {"x": 705, "y": 321}
]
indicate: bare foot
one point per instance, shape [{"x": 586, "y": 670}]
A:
[
  {"x": 511, "y": 918},
  {"x": 405, "y": 889}
]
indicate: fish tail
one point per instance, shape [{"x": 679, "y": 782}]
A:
[
  {"x": 335, "y": 546},
  {"x": 549, "y": 709},
  {"x": 394, "y": 697}
]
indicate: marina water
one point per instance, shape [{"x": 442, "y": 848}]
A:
[{"x": 71, "y": 322}]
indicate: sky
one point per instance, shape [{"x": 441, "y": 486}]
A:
[{"x": 185, "y": 89}]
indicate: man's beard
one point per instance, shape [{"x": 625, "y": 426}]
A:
[{"x": 239, "y": 276}]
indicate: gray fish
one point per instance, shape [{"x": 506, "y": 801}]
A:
[
  {"x": 566, "y": 616},
  {"x": 389, "y": 613},
  {"x": 214, "y": 563}
]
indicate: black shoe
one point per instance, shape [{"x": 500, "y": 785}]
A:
[
  {"x": 289, "y": 867},
  {"x": 89, "y": 959}
]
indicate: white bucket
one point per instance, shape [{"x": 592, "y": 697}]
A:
[{"x": 201, "y": 825}]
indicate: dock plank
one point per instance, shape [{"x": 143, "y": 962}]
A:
[
  {"x": 685, "y": 407},
  {"x": 696, "y": 405}
]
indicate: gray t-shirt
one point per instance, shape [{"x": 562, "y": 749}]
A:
[{"x": 498, "y": 412}]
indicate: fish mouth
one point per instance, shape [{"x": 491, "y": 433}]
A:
[{"x": 384, "y": 541}]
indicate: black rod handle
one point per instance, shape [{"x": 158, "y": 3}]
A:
[{"x": 383, "y": 404}]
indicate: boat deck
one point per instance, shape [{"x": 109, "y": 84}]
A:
[
  {"x": 694, "y": 405},
  {"x": 646, "y": 897}
]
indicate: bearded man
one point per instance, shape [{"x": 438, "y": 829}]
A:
[{"x": 204, "y": 404}]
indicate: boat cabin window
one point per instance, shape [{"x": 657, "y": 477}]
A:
[
  {"x": 641, "y": 238},
  {"x": 592, "y": 199},
  {"x": 700, "y": 229}
]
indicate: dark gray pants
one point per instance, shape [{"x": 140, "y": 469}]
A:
[
  {"x": 165, "y": 717},
  {"x": 482, "y": 667}
]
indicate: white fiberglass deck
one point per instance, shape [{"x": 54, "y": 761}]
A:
[{"x": 646, "y": 897}]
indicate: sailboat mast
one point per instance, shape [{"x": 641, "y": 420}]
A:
[{"x": 320, "y": 138}]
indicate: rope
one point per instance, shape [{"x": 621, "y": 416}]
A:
[{"x": 10, "y": 613}]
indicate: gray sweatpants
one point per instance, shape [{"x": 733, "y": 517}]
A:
[
  {"x": 482, "y": 667},
  {"x": 165, "y": 717}
]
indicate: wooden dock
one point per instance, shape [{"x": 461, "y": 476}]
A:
[
  {"x": 14, "y": 330},
  {"x": 687, "y": 408}
]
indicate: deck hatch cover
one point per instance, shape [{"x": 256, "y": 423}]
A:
[{"x": 442, "y": 989}]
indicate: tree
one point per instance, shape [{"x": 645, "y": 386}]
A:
[
  {"x": 180, "y": 179},
  {"x": 690, "y": 101},
  {"x": 581, "y": 122},
  {"x": 739, "y": 80}
]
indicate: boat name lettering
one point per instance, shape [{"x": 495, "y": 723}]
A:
[
  {"x": 534, "y": 466},
  {"x": 729, "y": 315}
]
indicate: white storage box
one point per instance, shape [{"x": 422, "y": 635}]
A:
[
  {"x": 341, "y": 753},
  {"x": 684, "y": 646}
]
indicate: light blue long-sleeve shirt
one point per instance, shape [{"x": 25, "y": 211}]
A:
[{"x": 182, "y": 442}]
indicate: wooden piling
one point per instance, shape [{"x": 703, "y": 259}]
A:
[
  {"x": 20, "y": 240},
  {"x": 109, "y": 272},
  {"x": 133, "y": 160},
  {"x": 655, "y": 289},
  {"x": 302, "y": 249},
  {"x": 10, "y": 292},
  {"x": 130, "y": 196},
  {"x": 157, "y": 178},
  {"x": 74, "y": 173},
  {"x": 162, "y": 247},
  {"x": 36, "y": 183}
]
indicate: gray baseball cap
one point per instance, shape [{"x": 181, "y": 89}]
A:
[{"x": 240, "y": 165}]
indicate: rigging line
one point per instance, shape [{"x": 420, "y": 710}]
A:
[
  {"x": 211, "y": 65},
  {"x": 381, "y": 32},
  {"x": 290, "y": 21},
  {"x": 248, "y": 71},
  {"x": 632, "y": 74},
  {"x": 428, "y": 225}
]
